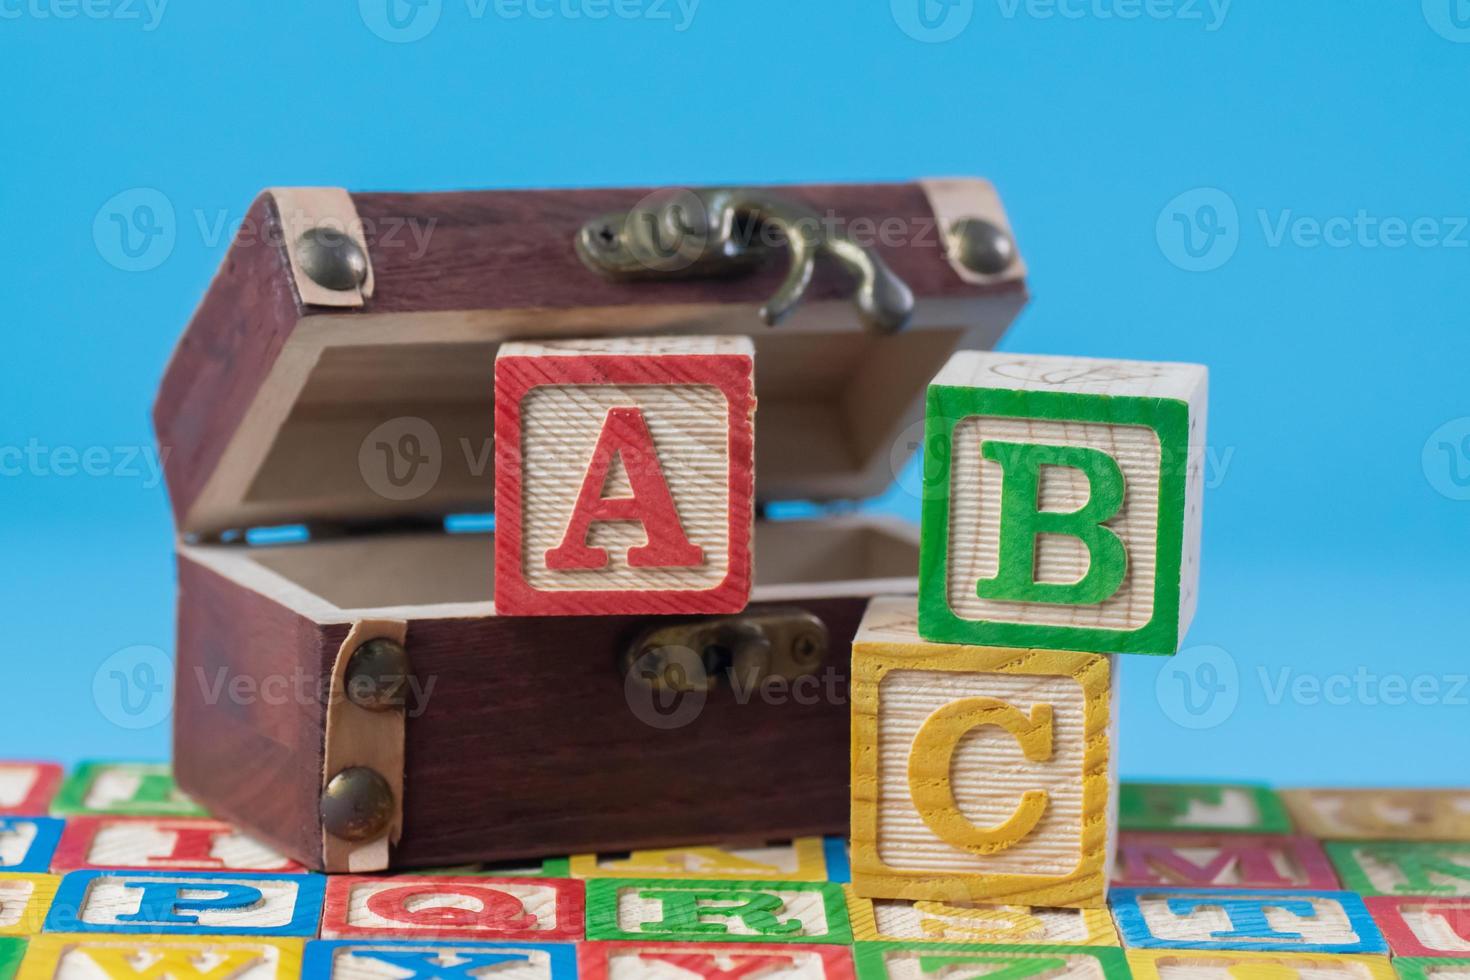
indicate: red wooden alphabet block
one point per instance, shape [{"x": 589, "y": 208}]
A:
[
  {"x": 26, "y": 788},
  {"x": 624, "y": 476},
  {"x": 1222, "y": 861},
  {"x": 162, "y": 844},
  {"x": 711, "y": 961},
  {"x": 435, "y": 907},
  {"x": 1424, "y": 926}
]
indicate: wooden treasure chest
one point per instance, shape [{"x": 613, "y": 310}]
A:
[{"x": 346, "y": 690}]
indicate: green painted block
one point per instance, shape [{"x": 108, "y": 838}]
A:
[
  {"x": 1416, "y": 868},
  {"x": 12, "y": 951},
  {"x": 1216, "y": 808},
  {"x": 1431, "y": 967},
  {"x": 1062, "y": 501},
  {"x": 959, "y": 961},
  {"x": 684, "y": 910},
  {"x": 134, "y": 789}
]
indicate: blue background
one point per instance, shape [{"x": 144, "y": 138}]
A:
[{"x": 1335, "y": 543}]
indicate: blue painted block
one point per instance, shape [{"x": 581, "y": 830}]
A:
[
  {"x": 27, "y": 843},
  {"x": 1227, "y": 918},
  {"x": 834, "y": 850},
  {"x": 188, "y": 903},
  {"x": 406, "y": 959}
]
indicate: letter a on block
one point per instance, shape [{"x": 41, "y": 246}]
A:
[
  {"x": 624, "y": 476},
  {"x": 979, "y": 774},
  {"x": 1062, "y": 503}
]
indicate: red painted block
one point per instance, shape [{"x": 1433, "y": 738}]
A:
[
  {"x": 1199, "y": 860},
  {"x": 162, "y": 844},
  {"x": 26, "y": 788},
  {"x": 1424, "y": 926},
  {"x": 712, "y": 961},
  {"x": 624, "y": 476},
  {"x": 435, "y": 907}
]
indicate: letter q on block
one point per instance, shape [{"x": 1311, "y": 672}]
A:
[
  {"x": 1062, "y": 502},
  {"x": 979, "y": 774},
  {"x": 624, "y": 476}
]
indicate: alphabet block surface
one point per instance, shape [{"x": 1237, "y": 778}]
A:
[
  {"x": 1224, "y": 918},
  {"x": 1160, "y": 964},
  {"x": 979, "y": 774},
  {"x": 1403, "y": 867},
  {"x": 898, "y": 920},
  {"x": 906, "y": 961},
  {"x": 26, "y": 788},
  {"x": 712, "y": 961},
  {"x": 1201, "y": 806},
  {"x": 1381, "y": 814},
  {"x": 399, "y": 959},
  {"x": 1062, "y": 501},
  {"x": 189, "y": 903},
  {"x": 717, "y": 911},
  {"x": 624, "y": 476},
  {"x": 87, "y": 957},
  {"x": 1424, "y": 926},
  {"x": 12, "y": 951},
  {"x": 1431, "y": 968},
  {"x": 162, "y": 843},
  {"x": 798, "y": 860},
  {"x": 24, "y": 901},
  {"x": 140, "y": 789},
  {"x": 27, "y": 843},
  {"x": 443, "y": 907},
  {"x": 1222, "y": 861}
]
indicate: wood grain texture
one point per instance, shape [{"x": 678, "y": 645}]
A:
[
  {"x": 987, "y": 412},
  {"x": 187, "y": 903},
  {"x": 657, "y": 433},
  {"x": 1381, "y": 814},
  {"x": 979, "y": 774},
  {"x": 27, "y": 843},
  {"x": 711, "y": 961},
  {"x": 159, "y": 843},
  {"x": 1222, "y": 860},
  {"x": 917, "y": 961},
  {"x": 899, "y": 920},
  {"x": 75, "y": 957},
  {"x": 1158, "y": 964},
  {"x": 1403, "y": 867},
  {"x": 1264, "y": 920},
  {"x": 26, "y": 788},
  {"x": 449, "y": 907},
  {"x": 367, "y": 959},
  {"x": 24, "y": 900},
  {"x": 1424, "y": 926},
  {"x": 1431, "y": 968},
  {"x": 723, "y": 911},
  {"x": 798, "y": 860}
]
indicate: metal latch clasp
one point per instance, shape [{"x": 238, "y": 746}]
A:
[
  {"x": 749, "y": 650},
  {"x": 681, "y": 234}
]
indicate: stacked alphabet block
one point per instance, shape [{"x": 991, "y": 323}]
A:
[{"x": 1214, "y": 883}]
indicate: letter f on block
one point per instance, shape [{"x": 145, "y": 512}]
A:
[
  {"x": 625, "y": 434},
  {"x": 1023, "y": 522},
  {"x": 931, "y": 759}
]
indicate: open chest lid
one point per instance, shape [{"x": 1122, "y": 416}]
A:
[{"x": 339, "y": 370}]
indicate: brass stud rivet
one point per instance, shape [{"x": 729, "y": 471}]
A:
[
  {"x": 377, "y": 675},
  {"x": 981, "y": 247},
  {"x": 357, "y": 805},
  {"x": 332, "y": 259}
]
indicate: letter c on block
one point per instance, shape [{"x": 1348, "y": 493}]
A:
[{"x": 932, "y": 756}]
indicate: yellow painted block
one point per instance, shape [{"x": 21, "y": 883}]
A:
[
  {"x": 59, "y": 956},
  {"x": 1180, "y": 964},
  {"x": 979, "y": 774},
  {"x": 798, "y": 860},
  {"x": 1381, "y": 814},
  {"x": 900, "y": 920},
  {"x": 24, "y": 901}
]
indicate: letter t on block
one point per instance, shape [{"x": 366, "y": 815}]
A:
[
  {"x": 624, "y": 476},
  {"x": 1062, "y": 501}
]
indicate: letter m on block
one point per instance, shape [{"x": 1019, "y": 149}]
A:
[
  {"x": 624, "y": 476},
  {"x": 1062, "y": 501}
]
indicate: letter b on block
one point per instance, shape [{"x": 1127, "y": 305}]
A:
[
  {"x": 624, "y": 476},
  {"x": 1062, "y": 503}
]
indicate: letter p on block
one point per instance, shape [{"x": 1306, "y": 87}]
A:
[
  {"x": 1062, "y": 501},
  {"x": 624, "y": 476}
]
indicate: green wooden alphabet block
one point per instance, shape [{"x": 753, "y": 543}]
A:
[
  {"x": 900, "y": 961},
  {"x": 723, "y": 911},
  {"x": 1414, "y": 868},
  {"x": 1062, "y": 501},
  {"x": 1208, "y": 807},
  {"x": 12, "y": 951}
]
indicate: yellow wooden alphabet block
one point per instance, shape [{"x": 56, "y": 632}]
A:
[
  {"x": 1181, "y": 964},
  {"x": 24, "y": 901},
  {"x": 979, "y": 774},
  {"x": 900, "y": 920},
  {"x": 1381, "y": 814},
  {"x": 58, "y": 956}
]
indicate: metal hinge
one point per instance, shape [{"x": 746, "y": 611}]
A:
[{"x": 746, "y": 650}]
